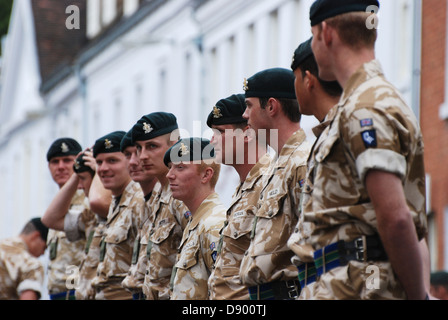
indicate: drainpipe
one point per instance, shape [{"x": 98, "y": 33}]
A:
[
  {"x": 82, "y": 89},
  {"x": 417, "y": 56}
]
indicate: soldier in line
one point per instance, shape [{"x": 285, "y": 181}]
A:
[
  {"x": 63, "y": 253},
  {"x": 153, "y": 135},
  {"x": 193, "y": 175},
  {"x": 136, "y": 275},
  {"x": 316, "y": 97},
  {"x": 78, "y": 222},
  {"x": 124, "y": 213},
  {"x": 366, "y": 195},
  {"x": 236, "y": 145},
  {"x": 21, "y": 273},
  {"x": 272, "y": 109},
  {"x": 99, "y": 202}
]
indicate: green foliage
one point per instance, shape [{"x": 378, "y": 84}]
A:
[{"x": 5, "y": 14}]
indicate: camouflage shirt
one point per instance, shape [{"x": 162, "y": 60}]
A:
[
  {"x": 166, "y": 223},
  {"x": 225, "y": 282},
  {"x": 64, "y": 253},
  {"x": 198, "y": 251},
  {"x": 19, "y": 270},
  {"x": 89, "y": 264},
  {"x": 371, "y": 127},
  {"x": 268, "y": 258},
  {"x": 117, "y": 244},
  {"x": 79, "y": 221},
  {"x": 136, "y": 275}
]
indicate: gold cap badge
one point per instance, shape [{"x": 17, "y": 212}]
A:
[
  {"x": 246, "y": 85},
  {"x": 77, "y": 165},
  {"x": 64, "y": 147},
  {"x": 147, "y": 128},
  {"x": 184, "y": 150},
  {"x": 217, "y": 112},
  {"x": 108, "y": 144}
]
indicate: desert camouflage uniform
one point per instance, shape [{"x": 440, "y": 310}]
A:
[
  {"x": 198, "y": 251},
  {"x": 136, "y": 275},
  {"x": 225, "y": 282},
  {"x": 117, "y": 244},
  {"x": 19, "y": 270},
  {"x": 64, "y": 253},
  {"x": 166, "y": 224},
  {"x": 79, "y": 222},
  {"x": 371, "y": 127},
  {"x": 81, "y": 225},
  {"x": 268, "y": 258},
  {"x": 89, "y": 265}
]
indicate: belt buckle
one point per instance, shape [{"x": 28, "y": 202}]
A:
[
  {"x": 360, "y": 248},
  {"x": 291, "y": 284}
]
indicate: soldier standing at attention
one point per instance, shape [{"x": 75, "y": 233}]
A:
[
  {"x": 317, "y": 98},
  {"x": 124, "y": 214},
  {"x": 272, "y": 109},
  {"x": 193, "y": 175},
  {"x": 136, "y": 275},
  {"x": 367, "y": 201},
  {"x": 63, "y": 253},
  {"x": 21, "y": 273},
  {"x": 236, "y": 145},
  {"x": 153, "y": 135}
]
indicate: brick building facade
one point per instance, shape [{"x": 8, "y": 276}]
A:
[{"x": 434, "y": 123}]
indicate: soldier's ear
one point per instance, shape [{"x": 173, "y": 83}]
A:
[
  {"x": 207, "y": 175},
  {"x": 309, "y": 81}
]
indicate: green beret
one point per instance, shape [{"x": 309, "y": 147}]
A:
[
  {"x": 325, "y": 9},
  {"x": 109, "y": 143},
  {"x": 439, "y": 278},
  {"x": 63, "y": 147},
  {"x": 43, "y": 230},
  {"x": 271, "y": 83},
  {"x": 189, "y": 149},
  {"x": 228, "y": 111},
  {"x": 154, "y": 125},
  {"x": 126, "y": 141},
  {"x": 301, "y": 54},
  {"x": 80, "y": 165}
]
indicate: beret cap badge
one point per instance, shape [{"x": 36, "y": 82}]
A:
[
  {"x": 246, "y": 85},
  {"x": 183, "y": 150},
  {"x": 64, "y": 147},
  {"x": 108, "y": 144},
  {"x": 147, "y": 128},
  {"x": 77, "y": 165},
  {"x": 217, "y": 112}
]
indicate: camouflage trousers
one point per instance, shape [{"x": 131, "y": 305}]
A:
[{"x": 356, "y": 281}]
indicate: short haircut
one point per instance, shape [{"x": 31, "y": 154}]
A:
[
  {"x": 290, "y": 108},
  {"x": 216, "y": 170},
  {"x": 352, "y": 29},
  {"x": 332, "y": 88}
]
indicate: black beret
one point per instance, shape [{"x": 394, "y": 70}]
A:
[
  {"x": 301, "y": 54},
  {"x": 228, "y": 111},
  {"x": 109, "y": 143},
  {"x": 190, "y": 149},
  {"x": 37, "y": 223},
  {"x": 324, "y": 9},
  {"x": 439, "y": 278},
  {"x": 80, "y": 165},
  {"x": 271, "y": 83},
  {"x": 153, "y": 125},
  {"x": 126, "y": 141},
  {"x": 63, "y": 147}
]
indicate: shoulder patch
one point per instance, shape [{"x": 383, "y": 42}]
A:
[
  {"x": 366, "y": 123},
  {"x": 369, "y": 138}
]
